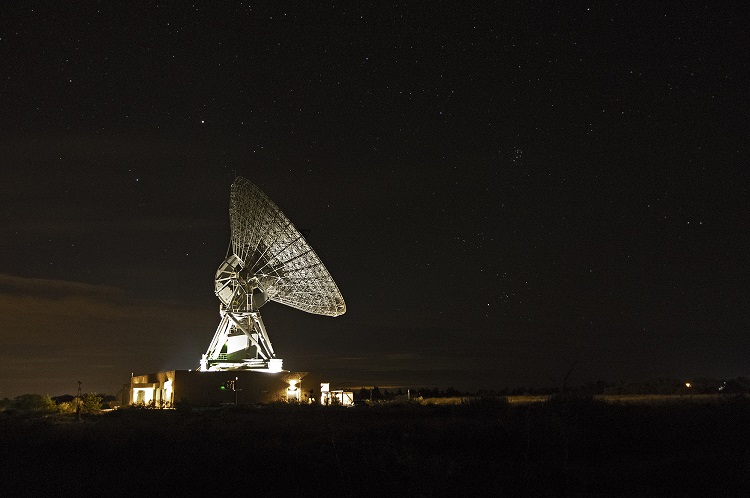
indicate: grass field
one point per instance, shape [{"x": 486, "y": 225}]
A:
[
  {"x": 562, "y": 446},
  {"x": 609, "y": 398}
]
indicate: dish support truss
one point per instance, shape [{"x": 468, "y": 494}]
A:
[
  {"x": 267, "y": 246},
  {"x": 238, "y": 335}
]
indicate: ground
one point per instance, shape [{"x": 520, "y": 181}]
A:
[{"x": 559, "y": 446}]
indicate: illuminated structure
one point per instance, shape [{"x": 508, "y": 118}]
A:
[
  {"x": 339, "y": 397},
  {"x": 170, "y": 388},
  {"x": 268, "y": 260}
]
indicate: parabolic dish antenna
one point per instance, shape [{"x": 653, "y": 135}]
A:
[{"x": 269, "y": 260}]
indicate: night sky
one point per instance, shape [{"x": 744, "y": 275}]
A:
[{"x": 501, "y": 193}]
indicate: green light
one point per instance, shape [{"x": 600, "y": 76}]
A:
[{"x": 222, "y": 388}]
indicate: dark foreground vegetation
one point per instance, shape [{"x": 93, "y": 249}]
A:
[{"x": 569, "y": 445}]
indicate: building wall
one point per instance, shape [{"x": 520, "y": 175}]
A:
[
  {"x": 155, "y": 388},
  {"x": 165, "y": 389}
]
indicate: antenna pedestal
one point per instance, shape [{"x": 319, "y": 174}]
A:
[{"x": 240, "y": 343}]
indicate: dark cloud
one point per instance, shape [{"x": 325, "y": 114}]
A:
[{"x": 58, "y": 332}]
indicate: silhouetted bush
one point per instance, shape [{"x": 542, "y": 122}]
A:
[{"x": 34, "y": 403}]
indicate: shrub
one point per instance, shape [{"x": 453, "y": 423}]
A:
[
  {"x": 35, "y": 403},
  {"x": 92, "y": 403}
]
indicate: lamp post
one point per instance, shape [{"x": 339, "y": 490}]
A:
[{"x": 78, "y": 402}]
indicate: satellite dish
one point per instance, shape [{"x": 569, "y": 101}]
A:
[{"x": 269, "y": 260}]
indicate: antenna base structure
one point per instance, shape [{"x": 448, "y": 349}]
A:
[
  {"x": 241, "y": 341},
  {"x": 269, "y": 260}
]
